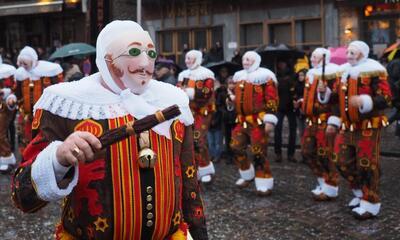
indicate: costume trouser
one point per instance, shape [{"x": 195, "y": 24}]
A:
[
  {"x": 357, "y": 157},
  {"x": 317, "y": 148},
  {"x": 24, "y": 131},
  {"x": 6, "y": 117},
  {"x": 292, "y": 132},
  {"x": 201, "y": 154},
  {"x": 253, "y": 135}
]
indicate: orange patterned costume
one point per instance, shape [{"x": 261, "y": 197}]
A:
[
  {"x": 356, "y": 150},
  {"x": 316, "y": 146},
  {"x": 255, "y": 99},
  {"x": 7, "y": 114},
  {"x": 30, "y": 86},
  {"x": 198, "y": 83}
]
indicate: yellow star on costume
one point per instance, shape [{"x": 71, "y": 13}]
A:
[
  {"x": 190, "y": 172},
  {"x": 177, "y": 218},
  {"x": 70, "y": 215},
  {"x": 101, "y": 224}
]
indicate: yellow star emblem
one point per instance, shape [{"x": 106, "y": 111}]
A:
[
  {"x": 190, "y": 171},
  {"x": 101, "y": 224}
]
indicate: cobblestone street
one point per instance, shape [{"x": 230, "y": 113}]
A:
[{"x": 289, "y": 213}]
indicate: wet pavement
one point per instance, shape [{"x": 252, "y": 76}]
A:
[{"x": 289, "y": 213}]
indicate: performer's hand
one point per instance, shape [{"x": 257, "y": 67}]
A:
[
  {"x": 79, "y": 146},
  {"x": 269, "y": 127},
  {"x": 331, "y": 130},
  {"x": 355, "y": 101}
]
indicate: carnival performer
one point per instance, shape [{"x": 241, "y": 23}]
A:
[
  {"x": 7, "y": 112},
  {"x": 143, "y": 186},
  {"x": 32, "y": 77},
  {"x": 255, "y": 99},
  {"x": 198, "y": 83},
  {"x": 363, "y": 95},
  {"x": 316, "y": 105}
]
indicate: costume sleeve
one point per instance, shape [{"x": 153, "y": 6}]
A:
[
  {"x": 192, "y": 204},
  {"x": 334, "y": 119},
  {"x": 206, "y": 92},
  {"x": 272, "y": 101},
  {"x": 382, "y": 96},
  {"x": 25, "y": 192}
]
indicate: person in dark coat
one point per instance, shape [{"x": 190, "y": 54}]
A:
[{"x": 286, "y": 92}]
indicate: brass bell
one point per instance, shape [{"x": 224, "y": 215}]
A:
[{"x": 147, "y": 158}]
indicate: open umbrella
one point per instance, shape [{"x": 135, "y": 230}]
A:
[
  {"x": 73, "y": 49},
  {"x": 338, "y": 55},
  {"x": 216, "y": 66},
  {"x": 270, "y": 53}
]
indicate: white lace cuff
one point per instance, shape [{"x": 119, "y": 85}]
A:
[
  {"x": 11, "y": 96},
  {"x": 324, "y": 97},
  {"x": 367, "y": 104},
  {"x": 190, "y": 93},
  {"x": 44, "y": 175}
]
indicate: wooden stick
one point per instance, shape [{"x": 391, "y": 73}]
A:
[{"x": 137, "y": 126}]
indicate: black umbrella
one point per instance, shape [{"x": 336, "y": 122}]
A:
[
  {"x": 216, "y": 67},
  {"x": 270, "y": 53}
]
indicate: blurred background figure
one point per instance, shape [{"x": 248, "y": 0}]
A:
[
  {"x": 286, "y": 92},
  {"x": 393, "y": 69},
  {"x": 237, "y": 57},
  {"x": 164, "y": 71},
  {"x": 72, "y": 72}
]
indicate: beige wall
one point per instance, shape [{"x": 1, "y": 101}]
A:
[{"x": 348, "y": 17}]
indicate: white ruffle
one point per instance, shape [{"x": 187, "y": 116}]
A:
[
  {"x": 270, "y": 118},
  {"x": 257, "y": 77},
  {"x": 44, "y": 178},
  {"x": 200, "y": 73},
  {"x": 42, "y": 69},
  {"x": 335, "y": 121},
  {"x": 87, "y": 98},
  {"x": 366, "y": 66},
  {"x": 6, "y": 70},
  {"x": 204, "y": 171},
  {"x": 330, "y": 69},
  {"x": 264, "y": 184}
]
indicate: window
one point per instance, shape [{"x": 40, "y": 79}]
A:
[
  {"x": 309, "y": 33},
  {"x": 251, "y": 36},
  {"x": 171, "y": 42},
  {"x": 280, "y": 33}
]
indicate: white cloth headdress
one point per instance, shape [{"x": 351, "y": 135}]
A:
[
  {"x": 109, "y": 34},
  {"x": 362, "y": 47},
  {"x": 322, "y": 51},
  {"x": 257, "y": 60},
  {"x": 198, "y": 56},
  {"x": 28, "y": 53}
]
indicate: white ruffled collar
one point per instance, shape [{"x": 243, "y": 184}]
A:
[
  {"x": 200, "y": 73},
  {"x": 42, "y": 69},
  {"x": 87, "y": 98},
  {"x": 330, "y": 69},
  {"x": 366, "y": 66},
  {"x": 6, "y": 70},
  {"x": 258, "y": 77}
]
